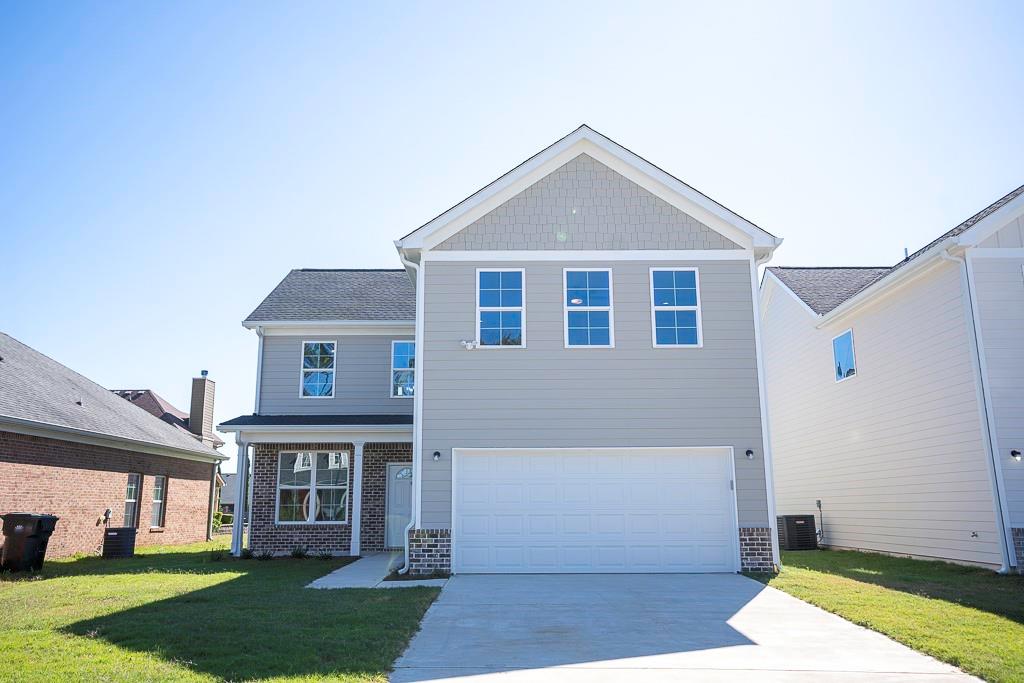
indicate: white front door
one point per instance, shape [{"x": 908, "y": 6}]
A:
[
  {"x": 594, "y": 510},
  {"x": 399, "y": 512}
]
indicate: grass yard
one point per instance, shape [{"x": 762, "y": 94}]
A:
[
  {"x": 971, "y": 618},
  {"x": 193, "y": 613}
]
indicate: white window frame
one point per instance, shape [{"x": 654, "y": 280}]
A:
[
  {"x": 311, "y": 488},
  {"x": 134, "y": 523},
  {"x": 303, "y": 370},
  {"x": 566, "y": 308},
  {"x": 655, "y": 308},
  {"x": 391, "y": 377},
  {"x": 162, "y": 501},
  {"x": 520, "y": 309},
  {"x": 853, "y": 347}
]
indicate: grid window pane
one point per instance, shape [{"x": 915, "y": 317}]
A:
[
  {"x": 318, "y": 369},
  {"x": 500, "y": 290},
  {"x": 131, "y": 500},
  {"x": 292, "y": 505},
  {"x": 317, "y": 383},
  {"x": 295, "y": 469},
  {"x": 675, "y": 299},
  {"x": 159, "y": 493},
  {"x": 403, "y": 383},
  {"x": 331, "y": 505},
  {"x": 588, "y": 307},
  {"x": 331, "y": 469},
  {"x": 403, "y": 363}
]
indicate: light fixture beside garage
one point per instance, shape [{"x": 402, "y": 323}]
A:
[
  {"x": 1015, "y": 454},
  {"x": 437, "y": 455},
  {"x": 750, "y": 454}
]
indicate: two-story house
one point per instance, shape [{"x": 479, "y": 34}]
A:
[{"x": 565, "y": 377}]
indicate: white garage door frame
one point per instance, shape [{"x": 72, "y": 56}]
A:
[{"x": 728, "y": 451}]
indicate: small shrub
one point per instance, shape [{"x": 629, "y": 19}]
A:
[
  {"x": 217, "y": 555},
  {"x": 265, "y": 555},
  {"x": 324, "y": 555},
  {"x": 218, "y": 520},
  {"x": 246, "y": 554},
  {"x": 299, "y": 552}
]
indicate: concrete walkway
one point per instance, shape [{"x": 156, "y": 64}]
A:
[
  {"x": 645, "y": 628},
  {"x": 369, "y": 572}
]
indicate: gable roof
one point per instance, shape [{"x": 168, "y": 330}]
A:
[
  {"x": 160, "y": 408},
  {"x": 37, "y": 391},
  {"x": 313, "y": 294},
  {"x": 586, "y": 140},
  {"x": 824, "y": 289}
]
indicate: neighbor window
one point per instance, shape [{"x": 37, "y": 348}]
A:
[
  {"x": 159, "y": 495},
  {"x": 500, "y": 309},
  {"x": 312, "y": 488},
  {"x": 842, "y": 354},
  {"x": 403, "y": 369},
  {"x": 588, "y": 308},
  {"x": 318, "y": 369},
  {"x": 131, "y": 500},
  {"x": 675, "y": 307}
]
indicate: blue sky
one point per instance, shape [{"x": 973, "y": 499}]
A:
[{"x": 163, "y": 165}]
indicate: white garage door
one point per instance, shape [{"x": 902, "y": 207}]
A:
[{"x": 594, "y": 510}]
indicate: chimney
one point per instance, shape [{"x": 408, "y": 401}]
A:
[{"x": 200, "y": 414}]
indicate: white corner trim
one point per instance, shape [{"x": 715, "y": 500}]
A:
[
  {"x": 61, "y": 433},
  {"x": 766, "y": 436},
  {"x": 602, "y": 256}
]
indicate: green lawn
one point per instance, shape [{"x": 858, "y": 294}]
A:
[
  {"x": 971, "y": 618},
  {"x": 193, "y": 613}
]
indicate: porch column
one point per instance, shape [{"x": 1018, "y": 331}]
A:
[
  {"x": 241, "y": 498},
  {"x": 357, "y": 497}
]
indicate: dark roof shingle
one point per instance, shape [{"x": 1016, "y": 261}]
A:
[
  {"x": 314, "y": 294},
  {"x": 36, "y": 388},
  {"x": 316, "y": 420}
]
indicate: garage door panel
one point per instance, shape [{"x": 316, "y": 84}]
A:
[{"x": 593, "y": 511}]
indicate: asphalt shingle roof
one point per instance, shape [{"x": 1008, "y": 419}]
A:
[
  {"x": 824, "y": 289},
  {"x": 36, "y": 388},
  {"x": 314, "y": 294}
]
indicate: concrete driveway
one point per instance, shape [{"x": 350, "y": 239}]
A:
[{"x": 643, "y": 628}]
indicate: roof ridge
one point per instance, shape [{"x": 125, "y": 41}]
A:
[
  {"x": 829, "y": 267},
  {"x": 348, "y": 270}
]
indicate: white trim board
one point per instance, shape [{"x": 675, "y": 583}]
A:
[
  {"x": 585, "y": 140},
  {"x": 594, "y": 255}
]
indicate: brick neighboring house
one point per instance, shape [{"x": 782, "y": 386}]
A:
[{"x": 71, "y": 448}]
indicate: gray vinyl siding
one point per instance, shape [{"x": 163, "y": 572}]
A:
[
  {"x": 362, "y": 384},
  {"x": 999, "y": 284},
  {"x": 896, "y": 454},
  {"x": 586, "y": 205},
  {"x": 548, "y": 396}
]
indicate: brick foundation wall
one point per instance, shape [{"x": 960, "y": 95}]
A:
[
  {"x": 376, "y": 458},
  {"x": 756, "y": 549},
  {"x": 1018, "y": 545},
  {"x": 77, "y": 482},
  {"x": 430, "y": 551},
  {"x": 265, "y": 535}
]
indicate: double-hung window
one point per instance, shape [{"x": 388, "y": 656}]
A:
[
  {"x": 318, "y": 366},
  {"x": 403, "y": 369},
  {"x": 843, "y": 356},
  {"x": 588, "y": 308},
  {"x": 312, "y": 488},
  {"x": 675, "y": 307},
  {"x": 131, "y": 500},
  {"x": 159, "y": 498},
  {"x": 500, "y": 299}
]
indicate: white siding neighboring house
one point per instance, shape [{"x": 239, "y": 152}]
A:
[{"x": 916, "y": 451}]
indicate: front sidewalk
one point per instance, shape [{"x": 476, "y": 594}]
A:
[{"x": 370, "y": 571}]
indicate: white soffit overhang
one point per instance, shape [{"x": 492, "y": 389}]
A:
[{"x": 585, "y": 140}]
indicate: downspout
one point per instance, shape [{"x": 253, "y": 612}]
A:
[
  {"x": 987, "y": 422},
  {"x": 416, "y": 411},
  {"x": 259, "y": 369}
]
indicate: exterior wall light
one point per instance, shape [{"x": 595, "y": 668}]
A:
[
  {"x": 437, "y": 455},
  {"x": 1015, "y": 454},
  {"x": 750, "y": 454}
]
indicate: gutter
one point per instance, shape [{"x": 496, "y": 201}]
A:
[
  {"x": 988, "y": 421},
  {"x": 259, "y": 324},
  {"x": 417, "y": 411}
]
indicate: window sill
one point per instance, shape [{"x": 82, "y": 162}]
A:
[{"x": 156, "y": 529}]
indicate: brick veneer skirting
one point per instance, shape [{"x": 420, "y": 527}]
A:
[
  {"x": 376, "y": 458},
  {"x": 756, "y": 549},
  {"x": 1018, "y": 545},
  {"x": 77, "y": 482},
  {"x": 430, "y": 551}
]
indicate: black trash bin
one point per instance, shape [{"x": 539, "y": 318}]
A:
[
  {"x": 119, "y": 541},
  {"x": 26, "y": 536}
]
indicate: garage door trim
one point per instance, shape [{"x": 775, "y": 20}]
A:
[{"x": 729, "y": 450}]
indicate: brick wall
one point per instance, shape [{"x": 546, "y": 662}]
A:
[
  {"x": 265, "y": 535},
  {"x": 756, "y": 549},
  {"x": 376, "y": 457},
  {"x": 430, "y": 551},
  {"x": 77, "y": 482},
  {"x": 1018, "y": 545}
]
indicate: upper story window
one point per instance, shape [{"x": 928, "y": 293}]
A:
[
  {"x": 588, "y": 308},
  {"x": 403, "y": 369},
  {"x": 675, "y": 307},
  {"x": 312, "y": 488},
  {"x": 842, "y": 354},
  {"x": 318, "y": 366},
  {"x": 500, "y": 296}
]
